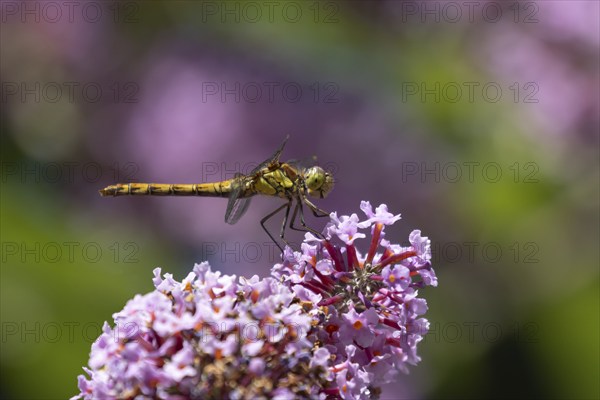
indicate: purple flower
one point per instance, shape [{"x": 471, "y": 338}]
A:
[
  {"x": 380, "y": 216},
  {"x": 192, "y": 339},
  {"x": 180, "y": 365},
  {"x": 397, "y": 277},
  {"x": 345, "y": 227},
  {"x": 331, "y": 322},
  {"x": 357, "y": 328},
  {"x": 366, "y": 304}
]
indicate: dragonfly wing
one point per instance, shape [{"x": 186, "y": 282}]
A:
[
  {"x": 237, "y": 205},
  {"x": 273, "y": 159},
  {"x": 304, "y": 163},
  {"x": 236, "y": 208}
]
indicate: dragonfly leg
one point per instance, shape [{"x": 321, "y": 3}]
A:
[
  {"x": 317, "y": 212},
  {"x": 294, "y": 214},
  {"x": 270, "y": 215},
  {"x": 285, "y": 219},
  {"x": 305, "y": 228}
]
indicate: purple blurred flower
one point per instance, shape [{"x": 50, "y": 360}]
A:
[{"x": 329, "y": 323}]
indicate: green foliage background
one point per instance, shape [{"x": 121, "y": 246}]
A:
[{"x": 520, "y": 323}]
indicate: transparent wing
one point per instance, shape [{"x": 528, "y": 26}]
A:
[
  {"x": 237, "y": 205},
  {"x": 236, "y": 209},
  {"x": 304, "y": 163},
  {"x": 273, "y": 159}
]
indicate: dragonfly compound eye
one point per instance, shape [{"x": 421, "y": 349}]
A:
[{"x": 318, "y": 182}]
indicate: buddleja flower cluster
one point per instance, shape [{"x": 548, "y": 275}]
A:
[
  {"x": 331, "y": 322},
  {"x": 365, "y": 305}
]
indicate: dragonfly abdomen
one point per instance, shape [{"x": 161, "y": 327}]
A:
[{"x": 215, "y": 189}]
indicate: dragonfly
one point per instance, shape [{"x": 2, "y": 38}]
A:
[{"x": 291, "y": 181}]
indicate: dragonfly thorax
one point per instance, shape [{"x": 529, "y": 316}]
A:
[{"x": 318, "y": 182}]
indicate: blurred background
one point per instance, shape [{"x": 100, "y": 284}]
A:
[{"x": 478, "y": 121}]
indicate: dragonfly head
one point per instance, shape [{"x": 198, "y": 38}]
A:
[{"x": 318, "y": 182}]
